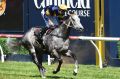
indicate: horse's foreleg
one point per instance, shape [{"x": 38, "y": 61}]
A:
[
  {"x": 70, "y": 54},
  {"x": 58, "y": 57},
  {"x": 36, "y": 61}
]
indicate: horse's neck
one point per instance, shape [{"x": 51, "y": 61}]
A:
[
  {"x": 66, "y": 31},
  {"x": 62, "y": 31}
]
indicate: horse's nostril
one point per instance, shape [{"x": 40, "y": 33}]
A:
[{"x": 82, "y": 29}]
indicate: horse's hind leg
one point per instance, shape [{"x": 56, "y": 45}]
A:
[
  {"x": 37, "y": 61},
  {"x": 70, "y": 54},
  {"x": 41, "y": 68},
  {"x": 58, "y": 57}
]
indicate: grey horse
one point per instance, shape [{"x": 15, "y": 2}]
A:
[{"x": 37, "y": 42}]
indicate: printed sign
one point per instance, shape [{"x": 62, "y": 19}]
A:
[{"x": 83, "y": 8}]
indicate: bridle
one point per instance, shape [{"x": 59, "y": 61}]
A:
[{"x": 69, "y": 22}]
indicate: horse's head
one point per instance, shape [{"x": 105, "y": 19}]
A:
[{"x": 74, "y": 22}]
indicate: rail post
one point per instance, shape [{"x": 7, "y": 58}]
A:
[
  {"x": 99, "y": 27},
  {"x": 2, "y": 55}
]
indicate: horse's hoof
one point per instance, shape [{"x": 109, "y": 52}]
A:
[
  {"x": 74, "y": 73},
  {"x": 43, "y": 77},
  {"x": 54, "y": 72}
]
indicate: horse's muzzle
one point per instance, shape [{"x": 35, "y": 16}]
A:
[{"x": 81, "y": 29}]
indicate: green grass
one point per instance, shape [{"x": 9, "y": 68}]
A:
[{"x": 28, "y": 70}]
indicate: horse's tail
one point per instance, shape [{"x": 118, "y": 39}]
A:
[{"x": 13, "y": 44}]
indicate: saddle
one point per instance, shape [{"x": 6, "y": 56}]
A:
[
  {"x": 50, "y": 29},
  {"x": 39, "y": 32}
]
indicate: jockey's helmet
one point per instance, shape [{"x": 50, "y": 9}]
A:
[{"x": 63, "y": 7}]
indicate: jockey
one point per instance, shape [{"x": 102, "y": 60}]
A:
[{"x": 53, "y": 15}]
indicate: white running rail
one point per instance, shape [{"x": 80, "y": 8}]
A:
[
  {"x": 2, "y": 55},
  {"x": 91, "y": 39}
]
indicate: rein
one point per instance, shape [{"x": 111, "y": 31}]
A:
[{"x": 68, "y": 25}]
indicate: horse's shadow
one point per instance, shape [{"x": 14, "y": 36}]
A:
[
  {"x": 54, "y": 77},
  {"x": 59, "y": 77}
]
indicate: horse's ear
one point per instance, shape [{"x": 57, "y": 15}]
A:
[
  {"x": 75, "y": 13},
  {"x": 71, "y": 12},
  {"x": 68, "y": 14}
]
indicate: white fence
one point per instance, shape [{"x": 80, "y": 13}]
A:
[
  {"x": 2, "y": 55},
  {"x": 91, "y": 39},
  {"x": 95, "y": 38}
]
